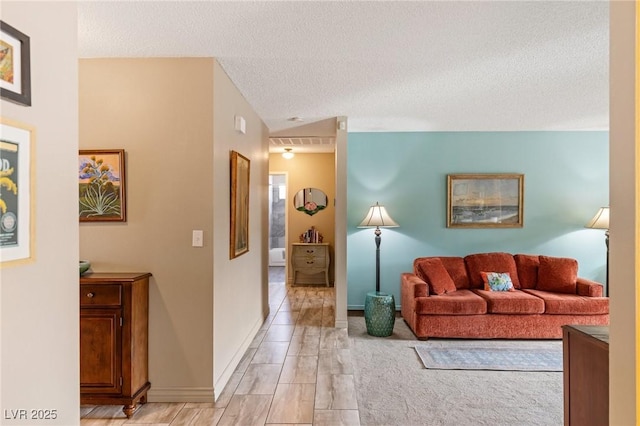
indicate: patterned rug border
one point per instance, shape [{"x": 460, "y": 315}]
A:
[{"x": 470, "y": 357}]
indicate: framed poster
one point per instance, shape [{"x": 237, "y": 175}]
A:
[
  {"x": 102, "y": 185},
  {"x": 240, "y": 173},
  {"x": 17, "y": 220},
  {"x": 15, "y": 65},
  {"x": 485, "y": 201}
]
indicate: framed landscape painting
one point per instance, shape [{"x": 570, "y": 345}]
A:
[
  {"x": 102, "y": 185},
  {"x": 240, "y": 174},
  {"x": 485, "y": 200}
]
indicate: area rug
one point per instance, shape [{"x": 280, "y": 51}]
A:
[
  {"x": 394, "y": 389},
  {"x": 483, "y": 357}
]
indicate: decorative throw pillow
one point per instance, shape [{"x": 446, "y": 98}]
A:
[
  {"x": 557, "y": 274},
  {"x": 436, "y": 276},
  {"x": 497, "y": 281}
]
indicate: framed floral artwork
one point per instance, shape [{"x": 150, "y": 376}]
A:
[
  {"x": 485, "y": 200},
  {"x": 102, "y": 185},
  {"x": 15, "y": 65},
  {"x": 240, "y": 175}
]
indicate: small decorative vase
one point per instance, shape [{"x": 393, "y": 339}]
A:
[{"x": 379, "y": 313}]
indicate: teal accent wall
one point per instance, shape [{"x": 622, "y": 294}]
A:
[{"x": 566, "y": 180}]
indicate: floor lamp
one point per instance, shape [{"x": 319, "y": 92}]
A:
[
  {"x": 601, "y": 221},
  {"x": 379, "y": 308}
]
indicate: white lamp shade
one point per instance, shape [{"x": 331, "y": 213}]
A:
[
  {"x": 377, "y": 217},
  {"x": 600, "y": 220}
]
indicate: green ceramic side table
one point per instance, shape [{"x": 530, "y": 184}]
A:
[{"x": 379, "y": 313}]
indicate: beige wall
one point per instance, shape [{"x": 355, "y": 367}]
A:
[
  {"x": 624, "y": 248},
  {"x": 39, "y": 300},
  {"x": 308, "y": 171},
  {"x": 176, "y": 172},
  {"x": 241, "y": 286}
]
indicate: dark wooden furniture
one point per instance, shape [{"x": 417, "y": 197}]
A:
[
  {"x": 586, "y": 375},
  {"x": 114, "y": 310}
]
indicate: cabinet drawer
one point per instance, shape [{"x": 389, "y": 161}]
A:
[
  {"x": 309, "y": 261},
  {"x": 318, "y": 251},
  {"x": 102, "y": 295}
]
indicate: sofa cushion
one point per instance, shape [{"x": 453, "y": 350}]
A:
[
  {"x": 497, "y": 281},
  {"x": 571, "y": 304},
  {"x": 461, "y": 302},
  {"x": 433, "y": 272},
  {"x": 511, "y": 302},
  {"x": 557, "y": 274},
  {"x": 527, "y": 265},
  {"x": 455, "y": 267},
  {"x": 490, "y": 262}
]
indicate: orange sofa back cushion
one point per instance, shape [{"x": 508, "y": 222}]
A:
[
  {"x": 490, "y": 262},
  {"x": 527, "y": 265},
  {"x": 433, "y": 272},
  {"x": 454, "y": 266},
  {"x": 557, "y": 274}
]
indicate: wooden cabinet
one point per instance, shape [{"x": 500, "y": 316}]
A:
[
  {"x": 311, "y": 260},
  {"x": 586, "y": 375},
  {"x": 114, "y": 310}
]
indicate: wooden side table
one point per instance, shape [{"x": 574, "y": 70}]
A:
[
  {"x": 310, "y": 259},
  {"x": 585, "y": 350},
  {"x": 114, "y": 345}
]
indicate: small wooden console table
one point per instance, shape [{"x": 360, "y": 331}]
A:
[
  {"x": 585, "y": 350},
  {"x": 114, "y": 326}
]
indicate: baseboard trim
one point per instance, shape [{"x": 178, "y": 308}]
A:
[
  {"x": 180, "y": 394},
  {"x": 223, "y": 379}
]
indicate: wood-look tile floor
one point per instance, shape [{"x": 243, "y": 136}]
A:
[{"x": 297, "y": 371}]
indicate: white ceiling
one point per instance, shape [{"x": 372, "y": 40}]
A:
[{"x": 386, "y": 66}]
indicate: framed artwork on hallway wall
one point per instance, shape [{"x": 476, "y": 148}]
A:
[
  {"x": 102, "y": 186},
  {"x": 15, "y": 67},
  {"x": 240, "y": 175},
  {"x": 17, "y": 192},
  {"x": 485, "y": 200}
]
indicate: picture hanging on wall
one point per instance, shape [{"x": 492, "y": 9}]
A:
[
  {"x": 485, "y": 200},
  {"x": 102, "y": 185},
  {"x": 17, "y": 220},
  {"x": 239, "y": 238},
  {"x": 15, "y": 67}
]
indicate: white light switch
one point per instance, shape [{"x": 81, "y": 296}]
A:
[{"x": 197, "y": 238}]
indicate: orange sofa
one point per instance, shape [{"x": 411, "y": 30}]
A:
[{"x": 448, "y": 297}]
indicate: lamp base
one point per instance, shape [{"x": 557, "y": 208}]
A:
[{"x": 379, "y": 314}]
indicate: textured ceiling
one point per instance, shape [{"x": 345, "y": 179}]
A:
[{"x": 386, "y": 66}]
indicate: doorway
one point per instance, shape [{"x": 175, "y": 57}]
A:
[{"x": 277, "y": 229}]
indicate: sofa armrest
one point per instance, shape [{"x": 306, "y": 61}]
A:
[
  {"x": 589, "y": 288},
  {"x": 413, "y": 285}
]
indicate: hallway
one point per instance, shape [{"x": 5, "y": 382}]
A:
[{"x": 297, "y": 370}]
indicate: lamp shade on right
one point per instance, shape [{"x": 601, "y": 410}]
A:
[{"x": 600, "y": 220}]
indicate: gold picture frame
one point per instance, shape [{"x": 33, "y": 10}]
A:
[
  {"x": 485, "y": 200},
  {"x": 17, "y": 193},
  {"x": 102, "y": 185},
  {"x": 240, "y": 180}
]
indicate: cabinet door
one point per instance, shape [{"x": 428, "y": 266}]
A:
[{"x": 100, "y": 351}]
